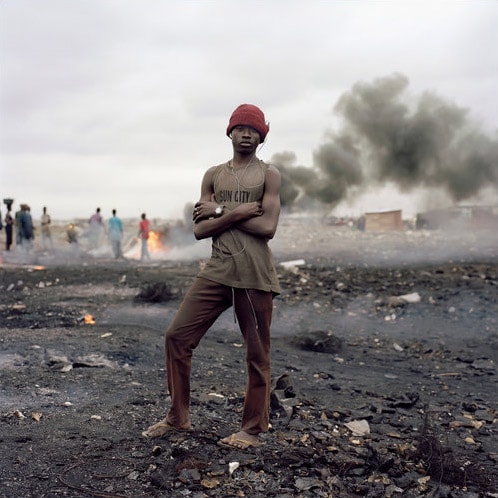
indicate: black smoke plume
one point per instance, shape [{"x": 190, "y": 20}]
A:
[{"x": 387, "y": 137}]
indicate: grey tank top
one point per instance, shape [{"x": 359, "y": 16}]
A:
[{"x": 239, "y": 259}]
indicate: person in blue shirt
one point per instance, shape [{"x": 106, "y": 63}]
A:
[
  {"x": 26, "y": 228},
  {"x": 115, "y": 233}
]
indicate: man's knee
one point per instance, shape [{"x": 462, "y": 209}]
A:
[{"x": 174, "y": 336}]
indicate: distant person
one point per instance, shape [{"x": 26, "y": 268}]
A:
[
  {"x": 17, "y": 225},
  {"x": 239, "y": 210},
  {"x": 26, "y": 227},
  {"x": 72, "y": 238},
  {"x": 72, "y": 234},
  {"x": 45, "y": 230},
  {"x": 9, "y": 228},
  {"x": 115, "y": 233},
  {"x": 96, "y": 228},
  {"x": 143, "y": 234}
]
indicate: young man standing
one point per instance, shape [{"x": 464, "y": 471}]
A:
[{"x": 239, "y": 209}]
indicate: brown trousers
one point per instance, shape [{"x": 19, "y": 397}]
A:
[{"x": 202, "y": 305}]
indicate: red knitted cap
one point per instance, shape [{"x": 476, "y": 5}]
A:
[{"x": 249, "y": 115}]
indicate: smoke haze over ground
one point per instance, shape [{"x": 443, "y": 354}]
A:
[{"x": 298, "y": 237}]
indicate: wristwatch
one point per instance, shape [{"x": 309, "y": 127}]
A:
[{"x": 218, "y": 211}]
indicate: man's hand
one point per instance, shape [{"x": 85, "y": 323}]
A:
[
  {"x": 249, "y": 210},
  {"x": 204, "y": 210}
]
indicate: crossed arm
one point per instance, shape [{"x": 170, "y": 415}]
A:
[{"x": 258, "y": 218}]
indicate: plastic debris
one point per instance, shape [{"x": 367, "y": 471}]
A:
[
  {"x": 233, "y": 466},
  {"x": 358, "y": 427}
]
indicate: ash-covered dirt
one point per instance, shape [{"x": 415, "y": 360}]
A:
[{"x": 384, "y": 365}]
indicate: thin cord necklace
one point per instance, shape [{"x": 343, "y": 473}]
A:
[{"x": 234, "y": 171}]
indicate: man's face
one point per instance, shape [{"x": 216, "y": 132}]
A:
[{"x": 245, "y": 139}]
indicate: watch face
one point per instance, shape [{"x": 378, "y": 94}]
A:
[{"x": 218, "y": 210}]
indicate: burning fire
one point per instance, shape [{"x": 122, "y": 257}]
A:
[
  {"x": 88, "y": 319},
  {"x": 154, "y": 242}
]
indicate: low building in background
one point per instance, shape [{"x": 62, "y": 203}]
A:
[
  {"x": 385, "y": 221},
  {"x": 470, "y": 217}
]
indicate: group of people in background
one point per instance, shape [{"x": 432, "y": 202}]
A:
[
  {"x": 115, "y": 233},
  {"x": 21, "y": 226},
  {"x": 22, "y": 223}
]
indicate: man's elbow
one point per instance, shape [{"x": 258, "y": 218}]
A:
[
  {"x": 199, "y": 234},
  {"x": 271, "y": 234},
  {"x": 269, "y": 231}
]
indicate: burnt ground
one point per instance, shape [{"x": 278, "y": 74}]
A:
[{"x": 374, "y": 394}]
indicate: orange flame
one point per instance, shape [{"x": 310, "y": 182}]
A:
[
  {"x": 88, "y": 319},
  {"x": 154, "y": 243}
]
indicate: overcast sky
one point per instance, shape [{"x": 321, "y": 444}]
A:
[{"x": 124, "y": 103}]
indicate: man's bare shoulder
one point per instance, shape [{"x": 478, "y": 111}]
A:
[
  {"x": 271, "y": 167},
  {"x": 212, "y": 169}
]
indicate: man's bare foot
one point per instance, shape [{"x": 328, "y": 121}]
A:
[
  {"x": 162, "y": 428},
  {"x": 240, "y": 440}
]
